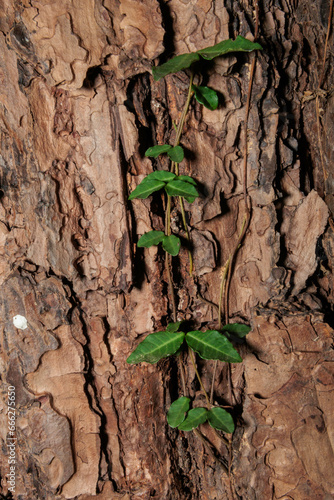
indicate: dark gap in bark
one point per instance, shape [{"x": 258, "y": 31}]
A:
[
  {"x": 233, "y": 10},
  {"x": 134, "y": 103},
  {"x": 283, "y": 250},
  {"x": 138, "y": 264},
  {"x": 306, "y": 181},
  {"x": 167, "y": 23},
  {"x": 91, "y": 77}
]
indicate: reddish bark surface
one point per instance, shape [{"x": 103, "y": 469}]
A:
[{"x": 78, "y": 108}]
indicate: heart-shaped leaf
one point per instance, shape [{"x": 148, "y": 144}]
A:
[
  {"x": 174, "y": 65},
  {"x": 156, "y": 346},
  {"x": 151, "y": 238},
  {"x": 173, "y": 327},
  {"x": 220, "y": 419},
  {"x": 191, "y": 199},
  {"x": 146, "y": 188},
  {"x": 177, "y": 411},
  {"x": 237, "y": 329},
  {"x": 171, "y": 244},
  {"x": 213, "y": 345},
  {"x": 186, "y": 178},
  {"x": 181, "y": 188},
  {"x": 206, "y": 96},
  {"x": 195, "y": 417},
  {"x": 176, "y": 154},
  {"x": 240, "y": 44},
  {"x": 184, "y": 61},
  {"x": 155, "y": 151},
  {"x": 161, "y": 175}
]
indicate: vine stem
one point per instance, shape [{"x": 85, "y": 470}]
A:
[
  {"x": 247, "y": 215},
  {"x": 167, "y": 259},
  {"x": 185, "y": 225},
  {"x": 175, "y": 168},
  {"x": 198, "y": 433},
  {"x": 330, "y": 15},
  {"x": 184, "y": 111},
  {"x": 317, "y": 93},
  {"x": 226, "y": 278},
  {"x": 221, "y": 295},
  {"x": 183, "y": 378},
  {"x": 222, "y": 290},
  {"x": 199, "y": 379},
  {"x": 244, "y": 228}
]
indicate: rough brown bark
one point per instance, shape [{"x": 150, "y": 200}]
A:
[{"x": 78, "y": 108}]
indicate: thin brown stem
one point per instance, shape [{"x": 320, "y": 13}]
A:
[
  {"x": 213, "y": 381},
  {"x": 245, "y": 162},
  {"x": 247, "y": 215},
  {"x": 222, "y": 291},
  {"x": 199, "y": 378},
  {"x": 219, "y": 436},
  {"x": 330, "y": 16},
  {"x": 257, "y": 18},
  {"x": 249, "y": 95},
  {"x": 183, "y": 377},
  {"x": 317, "y": 104},
  {"x": 230, "y": 458},
  {"x": 206, "y": 301},
  {"x": 325, "y": 174},
  {"x": 184, "y": 111},
  {"x": 175, "y": 167},
  {"x": 167, "y": 258},
  {"x": 167, "y": 216},
  {"x": 221, "y": 296},
  {"x": 185, "y": 225},
  {"x": 171, "y": 286},
  {"x": 244, "y": 228},
  {"x": 208, "y": 447}
]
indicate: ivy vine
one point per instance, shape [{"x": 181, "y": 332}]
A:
[{"x": 210, "y": 344}]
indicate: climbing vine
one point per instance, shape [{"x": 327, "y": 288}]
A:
[{"x": 210, "y": 344}]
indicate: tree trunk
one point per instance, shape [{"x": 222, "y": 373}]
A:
[{"x": 78, "y": 109}]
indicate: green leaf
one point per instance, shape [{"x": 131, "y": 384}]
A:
[
  {"x": 186, "y": 178},
  {"x": 195, "y": 417},
  {"x": 146, "y": 188},
  {"x": 174, "y": 65},
  {"x": 155, "y": 151},
  {"x": 171, "y": 244},
  {"x": 177, "y": 411},
  {"x": 161, "y": 175},
  {"x": 176, "y": 154},
  {"x": 184, "y": 61},
  {"x": 220, "y": 419},
  {"x": 173, "y": 327},
  {"x": 213, "y": 345},
  {"x": 240, "y": 44},
  {"x": 237, "y": 329},
  {"x": 156, "y": 346},
  {"x": 181, "y": 188},
  {"x": 206, "y": 96},
  {"x": 151, "y": 238}
]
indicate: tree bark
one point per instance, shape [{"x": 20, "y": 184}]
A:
[{"x": 78, "y": 109}]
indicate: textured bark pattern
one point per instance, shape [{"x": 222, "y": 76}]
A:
[
  {"x": 288, "y": 409},
  {"x": 78, "y": 108}
]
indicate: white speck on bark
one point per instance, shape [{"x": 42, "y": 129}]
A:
[{"x": 20, "y": 322}]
